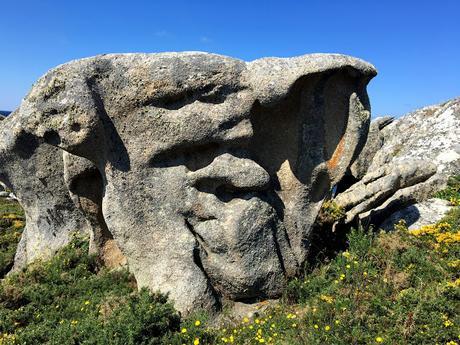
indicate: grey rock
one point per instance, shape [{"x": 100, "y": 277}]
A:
[
  {"x": 429, "y": 136},
  {"x": 420, "y": 214},
  {"x": 86, "y": 187},
  {"x": 374, "y": 142},
  {"x": 34, "y": 172},
  {"x": 213, "y": 169},
  {"x": 431, "y": 133},
  {"x": 369, "y": 199}
]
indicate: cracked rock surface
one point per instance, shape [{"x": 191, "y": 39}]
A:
[
  {"x": 403, "y": 163},
  {"x": 211, "y": 170}
]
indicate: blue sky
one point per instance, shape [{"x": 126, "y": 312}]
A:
[{"x": 415, "y": 45}]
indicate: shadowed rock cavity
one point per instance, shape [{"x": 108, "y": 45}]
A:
[
  {"x": 86, "y": 190},
  {"x": 213, "y": 169}
]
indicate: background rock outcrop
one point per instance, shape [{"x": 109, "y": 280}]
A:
[
  {"x": 424, "y": 143},
  {"x": 212, "y": 169}
]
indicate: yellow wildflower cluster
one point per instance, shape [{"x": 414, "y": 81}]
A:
[
  {"x": 454, "y": 284},
  {"x": 6, "y": 338},
  {"x": 454, "y": 264},
  {"x": 326, "y": 298},
  {"x": 17, "y": 224},
  {"x": 432, "y": 229},
  {"x": 441, "y": 233},
  {"x": 11, "y": 216},
  {"x": 260, "y": 330},
  {"x": 454, "y": 201}
]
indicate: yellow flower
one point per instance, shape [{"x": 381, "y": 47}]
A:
[
  {"x": 452, "y": 343},
  {"x": 245, "y": 320},
  {"x": 183, "y": 330},
  {"x": 454, "y": 264},
  {"x": 348, "y": 266},
  {"x": 197, "y": 323},
  {"x": 379, "y": 339},
  {"x": 261, "y": 340},
  {"x": 326, "y": 298},
  {"x": 316, "y": 326},
  {"x": 87, "y": 302},
  {"x": 448, "y": 323},
  {"x": 74, "y": 322},
  {"x": 327, "y": 328},
  {"x": 18, "y": 224},
  {"x": 196, "y": 341}
]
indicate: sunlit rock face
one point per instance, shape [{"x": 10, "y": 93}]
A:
[
  {"x": 404, "y": 162},
  {"x": 212, "y": 169},
  {"x": 34, "y": 171}
]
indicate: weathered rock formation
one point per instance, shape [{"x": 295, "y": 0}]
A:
[
  {"x": 85, "y": 185},
  {"x": 35, "y": 173},
  {"x": 410, "y": 160},
  {"x": 420, "y": 214},
  {"x": 206, "y": 172}
]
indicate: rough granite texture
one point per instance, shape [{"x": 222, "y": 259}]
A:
[
  {"x": 213, "y": 169},
  {"x": 425, "y": 142},
  {"x": 423, "y": 213},
  {"x": 34, "y": 171}
]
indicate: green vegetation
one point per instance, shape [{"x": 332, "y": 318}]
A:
[
  {"x": 330, "y": 213},
  {"x": 66, "y": 300},
  {"x": 401, "y": 287},
  {"x": 11, "y": 225},
  {"x": 451, "y": 192}
]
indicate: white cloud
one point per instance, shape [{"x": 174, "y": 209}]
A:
[{"x": 205, "y": 39}]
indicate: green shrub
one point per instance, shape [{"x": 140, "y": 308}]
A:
[
  {"x": 11, "y": 226},
  {"x": 330, "y": 213},
  {"x": 68, "y": 300},
  {"x": 401, "y": 287},
  {"x": 452, "y": 192},
  {"x": 390, "y": 288}
]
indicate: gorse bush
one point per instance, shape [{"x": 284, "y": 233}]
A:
[
  {"x": 66, "y": 300},
  {"x": 391, "y": 288},
  {"x": 401, "y": 287}
]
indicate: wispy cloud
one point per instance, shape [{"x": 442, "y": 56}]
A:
[
  {"x": 162, "y": 33},
  {"x": 205, "y": 39}
]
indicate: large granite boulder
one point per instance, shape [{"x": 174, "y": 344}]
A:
[
  {"x": 410, "y": 159},
  {"x": 212, "y": 170},
  {"x": 34, "y": 171}
]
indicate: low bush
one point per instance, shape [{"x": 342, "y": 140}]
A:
[
  {"x": 11, "y": 225},
  {"x": 400, "y": 287},
  {"x": 68, "y": 300}
]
